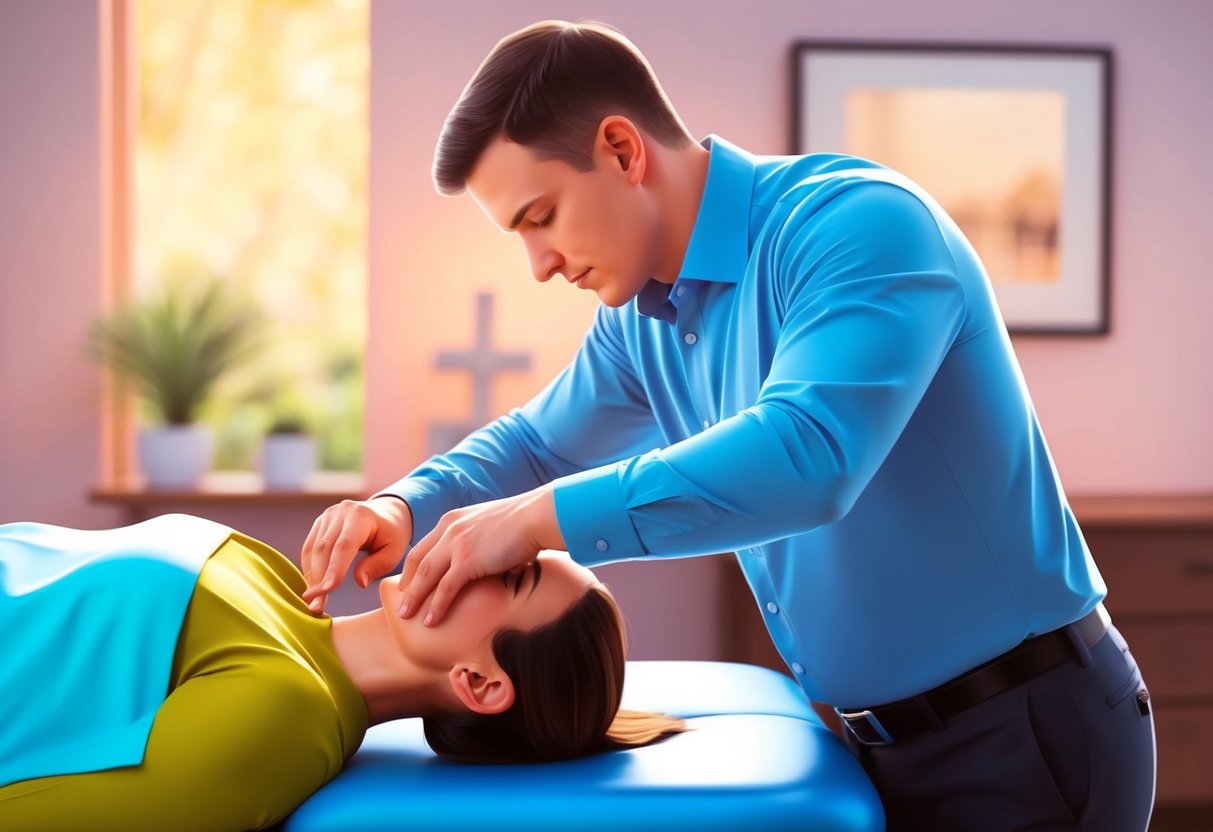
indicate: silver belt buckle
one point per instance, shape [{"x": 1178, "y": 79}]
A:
[{"x": 871, "y": 719}]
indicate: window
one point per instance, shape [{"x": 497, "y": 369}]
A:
[{"x": 249, "y": 161}]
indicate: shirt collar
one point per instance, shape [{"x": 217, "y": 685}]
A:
[{"x": 719, "y": 248}]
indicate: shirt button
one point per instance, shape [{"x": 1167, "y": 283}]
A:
[
  {"x": 706, "y": 424},
  {"x": 680, "y": 291},
  {"x": 690, "y": 337},
  {"x": 602, "y": 545},
  {"x": 797, "y": 668},
  {"x": 772, "y": 607}
]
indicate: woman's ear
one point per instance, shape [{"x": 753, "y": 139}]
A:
[{"x": 483, "y": 690}]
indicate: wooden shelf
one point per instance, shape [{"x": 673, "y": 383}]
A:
[{"x": 238, "y": 488}]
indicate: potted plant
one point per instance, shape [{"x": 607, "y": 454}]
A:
[
  {"x": 288, "y": 454},
  {"x": 174, "y": 346}
]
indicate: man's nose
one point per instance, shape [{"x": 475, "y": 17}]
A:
[{"x": 544, "y": 264}]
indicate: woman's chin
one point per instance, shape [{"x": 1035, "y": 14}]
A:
[{"x": 390, "y": 595}]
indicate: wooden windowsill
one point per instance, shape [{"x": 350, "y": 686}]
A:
[{"x": 238, "y": 488}]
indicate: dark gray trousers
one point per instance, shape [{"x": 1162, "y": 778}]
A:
[{"x": 1071, "y": 749}]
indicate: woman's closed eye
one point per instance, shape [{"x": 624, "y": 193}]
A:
[{"x": 519, "y": 575}]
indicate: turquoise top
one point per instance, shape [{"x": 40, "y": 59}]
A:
[
  {"x": 132, "y": 585},
  {"x": 829, "y": 391}
]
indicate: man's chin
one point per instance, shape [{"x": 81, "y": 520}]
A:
[{"x": 612, "y": 297}]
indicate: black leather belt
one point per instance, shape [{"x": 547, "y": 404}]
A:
[{"x": 899, "y": 721}]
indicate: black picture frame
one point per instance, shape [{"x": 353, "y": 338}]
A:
[{"x": 1049, "y": 257}]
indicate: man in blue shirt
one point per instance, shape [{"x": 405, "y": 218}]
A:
[{"x": 799, "y": 359}]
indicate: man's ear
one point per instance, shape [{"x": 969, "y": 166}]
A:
[
  {"x": 625, "y": 144},
  {"x": 483, "y": 690}
]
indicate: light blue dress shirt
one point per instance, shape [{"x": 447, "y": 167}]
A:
[
  {"x": 829, "y": 391},
  {"x": 89, "y": 621}
]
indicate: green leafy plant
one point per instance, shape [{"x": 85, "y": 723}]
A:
[
  {"x": 176, "y": 344},
  {"x": 288, "y": 423}
]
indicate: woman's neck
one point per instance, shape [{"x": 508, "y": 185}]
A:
[{"x": 392, "y": 686}]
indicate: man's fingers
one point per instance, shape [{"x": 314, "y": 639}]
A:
[
  {"x": 305, "y": 557},
  {"x": 427, "y": 570},
  {"x": 375, "y": 565},
  {"x": 318, "y": 559},
  {"x": 416, "y": 555},
  {"x": 447, "y": 589},
  {"x": 342, "y": 553},
  {"x": 419, "y": 589},
  {"x": 349, "y": 541},
  {"x": 319, "y": 551}
]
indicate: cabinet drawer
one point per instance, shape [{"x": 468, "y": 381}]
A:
[
  {"x": 1175, "y": 657},
  {"x": 1185, "y": 754},
  {"x": 1156, "y": 571}
]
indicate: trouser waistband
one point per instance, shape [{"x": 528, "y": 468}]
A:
[{"x": 899, "y": 721}]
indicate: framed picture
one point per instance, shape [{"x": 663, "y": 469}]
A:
[{"x": 1013, "y": 141}]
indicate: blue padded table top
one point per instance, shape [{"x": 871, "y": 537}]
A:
[
  {"x": 754, "y": 755},
  {"x": 688, "y": 689}
]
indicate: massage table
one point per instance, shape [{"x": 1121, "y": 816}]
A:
[{"x": 757, "y": 758}]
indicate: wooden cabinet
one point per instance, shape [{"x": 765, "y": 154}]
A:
[{"x": 1156, "y": 555}]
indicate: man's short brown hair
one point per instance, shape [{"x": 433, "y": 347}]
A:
[{"x": 548, "y": 87}]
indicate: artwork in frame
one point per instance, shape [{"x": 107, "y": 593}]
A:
[{"x": 1013, "y": 141}]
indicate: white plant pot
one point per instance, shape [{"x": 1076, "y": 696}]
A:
[
  {"x": 175, "y": 456},
  {"x": 287, "y": 459}
]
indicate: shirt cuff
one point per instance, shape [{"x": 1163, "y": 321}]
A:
[{"x": 593, "y": 518}]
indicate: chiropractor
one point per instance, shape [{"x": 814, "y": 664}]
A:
[{"x": 798, "y": 359}]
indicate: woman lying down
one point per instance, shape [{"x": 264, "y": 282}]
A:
[{"x": 167, "y": 675}]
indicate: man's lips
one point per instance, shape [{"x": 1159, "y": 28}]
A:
[{"x": 577, "y": 280}]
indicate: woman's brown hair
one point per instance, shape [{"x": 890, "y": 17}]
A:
[
  {"x": 548, "y": 86},
  {"x": 568, "y": 683}
]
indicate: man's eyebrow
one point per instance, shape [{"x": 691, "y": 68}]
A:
[
  {"x": 538, "y": 575},
  {"x": 522, "y": 212}
]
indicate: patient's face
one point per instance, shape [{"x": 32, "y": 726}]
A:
[{"x": 523, "y": 599}]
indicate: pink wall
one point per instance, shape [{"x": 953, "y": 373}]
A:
[
  {"x": 50, "y": 261},
  {"x": 728, "y": 74},
  {"x": 1122, "y": 413}
]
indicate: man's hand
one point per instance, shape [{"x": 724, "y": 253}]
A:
[
  {"x": 472, "y": 542},
  {"x": 381, "y": 525}
]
